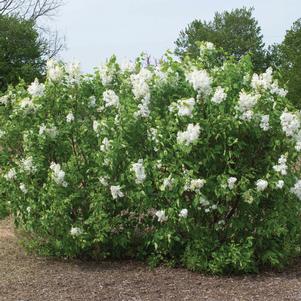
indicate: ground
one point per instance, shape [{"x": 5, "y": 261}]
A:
[{"x": 28, "y": 278}]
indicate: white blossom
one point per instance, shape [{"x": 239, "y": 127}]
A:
[
  {"x": 52, "y": 132},
  {"x": 106, "y": 74},
  {"x": 262, "y": 81},
  {"x": 280, "y": 184},
  {"x": 231, "y": 182},
  {"x": 11, "y": 174},
  {"x": 70, "y": 117},
  {"x": 219, "y": 95},
  {"x": 183, "y": 213},
  {"x": 23, "y": 188},
  {"x": 110, "y": 98},
  {"x": 297, "y": 189},
  {"x": 264, "y": 123},
  {"x": 116, "y": 192},
  {"x": 261, "y": 185},
  {"x": 28, "y": 166},
  {"x": 167, "y": 183},
  {"x": 298, "y": 146},
  {"x": 92, "y": 102},
  {"x": 103, "y": 180},
  {"x": 58, "y": 175},
  {"x": 55, "y": 72},
  {"x": 36, "y": 89},
  {"x": 281, "y": 167},
  {"x": 75, "y": 231},
  {"x": 200, "y": 81},
  {"x": 197, "y": 184},
  {"x": 105, "y": 146},
  {"x": 290, "y": 123},
  {"x": 144, "y": 110},
  {"x": 185, "y": 106},
  {"x": 161, "y": 216},
  {"x": 246, "y": 103},
  {"x": 96, "y": 125},
  {"x": 140, "y": 83},
  {"x": 139, "y": 171},
  {"x": 190, "y": 135}
]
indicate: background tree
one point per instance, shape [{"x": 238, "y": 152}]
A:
[
  {"x": 21, "y": 51},
  {"x": 289, "y": 62},
  {"x": 237, "y": 32}
]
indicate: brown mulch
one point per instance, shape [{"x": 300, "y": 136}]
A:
[{"x": 29, "y": 278}]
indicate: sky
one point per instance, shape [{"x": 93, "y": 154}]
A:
[{"x": 96, "y": 29}]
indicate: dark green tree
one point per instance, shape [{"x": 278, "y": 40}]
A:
[
  {"x": 289, "y": 62},
  {"x": 236, "y": 31},
  {"x": 21, "y": 51}
]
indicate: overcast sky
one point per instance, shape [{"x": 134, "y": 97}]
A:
[{"x": 96, "y": 29}]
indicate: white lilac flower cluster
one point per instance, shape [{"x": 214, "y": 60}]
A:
[
  {"x": 152, "y": 134},
  {"x": 139, "y": 171},
  {"x": 190, "y": 135},
  {"x": 11, "y": 175},
  {"x": 290, "y": 123},
  {"x": 58, "y": 175},
  {"x": 28, "y": 166},
  {"x": 55, "y": 72},
  {"x": 75, "y": 231},
  {"x": 265, "y": 122},
  {"x": 116, "y": 192},
  {"x": 70, "y": 117},
  {"x": 106, "y": 74},
  {"x": 265, "y": 81},
  {"x": 261, "y": 185},
  {"x": 105, "y": 145},
  {"x": 281, "y": 167},
  {"x": 219, "y": 95},
  {"x": 110, "y": 99},
  {"x": 185, "y": 106},
  {"x": 167, "y": 183},
  {"x": 245, "y": 105},
  {"x": 51, "y": 132},
  {"x": 74, "y": 72},
  {"x": 231, "y": 182},
  {"x": 36, "y": 89},
  {"x": 297, "y": 189},
  {"x": 200, "y": 81}
]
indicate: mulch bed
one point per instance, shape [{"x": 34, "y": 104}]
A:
[{"x": 28, "y": 278}]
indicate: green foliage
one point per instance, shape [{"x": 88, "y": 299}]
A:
[
  {"x": 180, "y": 163},
  {"x": 20, "y": 51},
  {"x": 289, "y": 62},
  {"x": 236, "y": 31}
]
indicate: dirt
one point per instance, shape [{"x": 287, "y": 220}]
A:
[{"x": 28, "y": 278}]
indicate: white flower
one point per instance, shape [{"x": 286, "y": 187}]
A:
[
  {"x": 297, "y": 189},
  {"x": 231, "y": 182},
  {"x": 247, "y": 115},
  {"x": 167, "y": 183},
  {"x": 103, "y": 181},
  {"x": 290, "y": 123},
  {"x": 144, "y": 110},
  {"x": 219, "y": 95},
  {"x": 105, "y": 146},
  {"x": 190, "y": 135},
  {"x": 298, "y": 146},
  {"x": 106, "y": 74},
  {"x": 51, "y": 132},
  {"x": 161, "y": 216},
  {"x": 96, "y": 125},
  {"x": 280, "y": 184},
  {"x": 27, "y": 105},
  {"x": 183, "y": 213},
  {"x": 73, "y": 70},
  {"x": 110, "y": 98},
  {"x": 116, "y": 192},
  {"x": 197, "y": 184},
  {"x": 140, "y": 83},
  {"x": 185, "y": 106},
  {"x": 75, "y": 231},
  {"x": 23, "y": 188},
  {"x": 2, "y": 133},
  {"x": 92, "y": 102},
  {"x": 36, "y": 89},
  {"x": 70, "y": 117},
  {"x": 4, "y": 100},
  {"x": 264, "y": 123},
  {"x": 246, "y": 102},
  {"x": 281, "y": 167},
  {"x": 54, "y": 71},
  {"x": 139, "y": 171},
  {"x": 278, "y": 91},
  {"x": 200, "y": 81},
  {"x": 27, "y": 165},
  {"x": 262, "y": 81},
  {"x": 11, "y": 174},
  {"x": 58, "y": 175},
  {"x": 261, "y": 185}
]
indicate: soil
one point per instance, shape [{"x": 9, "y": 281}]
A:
[{"x": 26, "y": 277}]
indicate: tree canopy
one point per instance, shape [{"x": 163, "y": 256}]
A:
[{"x": 236, "y": 31}]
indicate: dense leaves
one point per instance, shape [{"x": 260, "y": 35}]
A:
[{"x": 191, "y": 163}]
